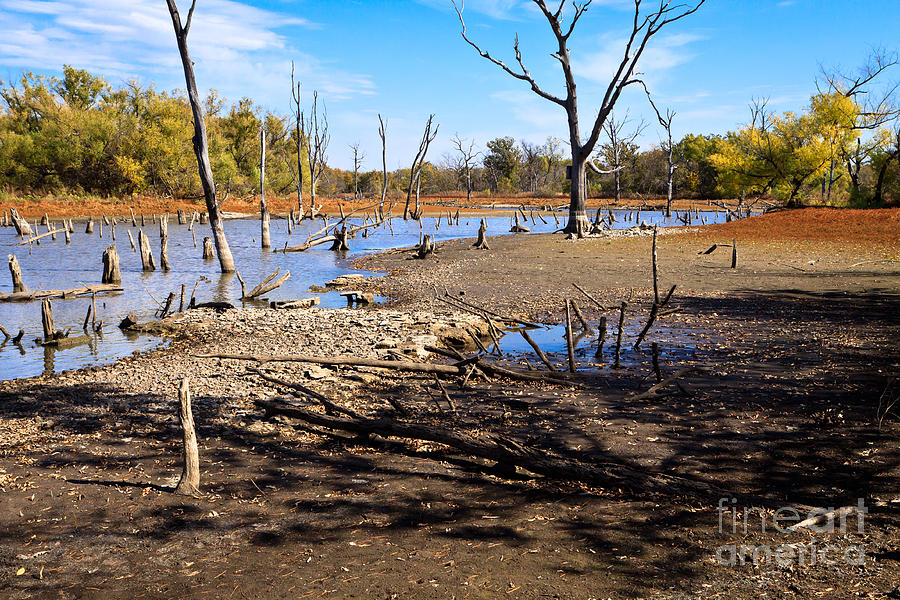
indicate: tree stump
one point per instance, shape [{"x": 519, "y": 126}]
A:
[
  {"x": 340, "y": 240},
  {"x": 208, "y": 251},
  {"x": 21, "y": 225},
  {"x": 50, "y": 332},
  {"x": 90, "y": 226},
  {"x": 130, "y": 320},
  {"x": 16, "y": 272},
  {"x": 147, "y": 263},
  {"x": 181, "y": 219},
  {"x": 426, "y": 248},
  {"x": 481, "y": 242},
  {"x": 518, "y": 227},
  {"x": 203, "y": 218},
  {"x": 164, "y": 243},
  {"x": 189, "y": 484},
  {"x": 111, "y": 272}
]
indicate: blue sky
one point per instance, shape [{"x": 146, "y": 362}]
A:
[{"x": 406, "y": 59}]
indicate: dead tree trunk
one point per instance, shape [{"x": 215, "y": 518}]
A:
[
  {"x": 16, "y": 272},
  {"x": 189, "y": 484},
  {"x": 147, "y": 263},
  {"x": 618, "y": 363},
  {"x": 201, "y": 146},
  {"x": 414, "y": 172},
  {"x": 263, "y": 207},
  {"x": 164, "y": 243},
  {"x": 90, "y": 226},
  {"x": 208, "y": 253},
  {"x": 21, "y": 225},
  {"x": 426, "y": 248},
  {"x": 47, "y": 321},
  {"x": 481, "y": 242},
  {"x": 111, "y": 273},
  {"x": 340, "y": 240}
]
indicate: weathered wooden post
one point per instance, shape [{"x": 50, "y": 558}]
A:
[
  {"x": 16, "y": 272},
  {"x": 617, "y": 364},
  {"x": 111, "y": 273},
  {"x": 208, "y": 252},
  {"x": 263, "y": 208},
  {"x": 147, "y": 263},
  {"x": 189, "y": 484},
  {"x": 601, "y": 338},
  {"x": 570, "y": 346},
  {"x": 164, "y": 243}
]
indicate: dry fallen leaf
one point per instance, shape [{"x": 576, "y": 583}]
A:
[{"x": 21, "y": 571}]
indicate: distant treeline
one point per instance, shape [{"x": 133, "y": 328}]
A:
[{"x": 77, "y": 134}]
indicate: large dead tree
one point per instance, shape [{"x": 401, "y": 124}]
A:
[
  {"x": 358, "y": 157},
  {"x": 431, "y": 131},
  {"x": 619, "y": 143},
  {"x": 668, "y": 147},
  {"x": 317, "y": 140},
  {"x": 201, "y": 146},
  {"x": 382, "y": 129},
  {"x": 467, "y": 156},
  {"x": 644, "y": 25},
  {"x": 299, "y": 134}
]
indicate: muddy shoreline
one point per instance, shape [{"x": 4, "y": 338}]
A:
[{"x": 800, "y": 344}]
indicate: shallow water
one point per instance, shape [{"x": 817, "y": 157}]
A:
[{"x": 53, "y": 265}]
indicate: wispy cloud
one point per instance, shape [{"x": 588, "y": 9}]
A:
[
  {"x": 663, "y": 53},
  {"x": 237, "y": 48},
  {"x": 496, "y": 9}
]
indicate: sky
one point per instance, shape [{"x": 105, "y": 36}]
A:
[{"x": 406, "y": 60}]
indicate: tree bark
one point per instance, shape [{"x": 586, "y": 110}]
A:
[
  {"x": 201, "y": 146},
  {"x": 111, "y": 272},
  {"x": 164, "y": 243},
  {"x": 16, "y": 272},
  {"x": 189, "y": 484},
  {"x": 147, "y": 263}
]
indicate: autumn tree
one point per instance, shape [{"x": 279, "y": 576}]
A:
[{"x": 644, "y": 26}]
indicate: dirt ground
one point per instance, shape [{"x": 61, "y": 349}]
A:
[{"x": 799, "y": 343}]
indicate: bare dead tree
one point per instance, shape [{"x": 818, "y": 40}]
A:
[
  {"x": 667, "y": 146},
  {"x": 467, "y": 157},
  {"x": 317, "y": 144},
  {"x": 382, "y": 128},
  {"x": 619, "y": 141},
  {"x": 264, "y": 217},
  {"x": 431, "y": 131},
  {"x": 358, "y": 157},
  {"x": 299, "y": 133},
  {"x": 201, "y": 146},
  {"x": 644, "y": 26}
]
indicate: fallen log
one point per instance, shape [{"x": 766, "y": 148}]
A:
[
  {"x": 505, "y": 451},
  {"x": 43, "y": 294},
  {"x": 265, "y": 286},
  {"x": 37, "y": 237},
  {"x": 655, "y": 390}
]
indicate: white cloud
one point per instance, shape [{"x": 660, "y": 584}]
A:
[
  {"x": 237, "y": 48},
  {"x": 496, "y": 9},
  {"x": 661, "y": 54}
]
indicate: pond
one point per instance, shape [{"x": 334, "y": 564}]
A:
[{"x": 54, "y": 265}]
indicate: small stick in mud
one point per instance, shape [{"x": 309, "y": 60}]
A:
[
  {"x": 584, "y": 323},
  {"x": 570, "y": 346},
  {"x": 601, "y": 338},
  {"x": 734, "y": 254},
  {"x": 189, "y": 484},
  {"x": 537, "y": 349},
  {"x": 87, "y": 318},
  {"x": 654, "y": 311},
  {"x": 181, "y": 302},
  {"x": 618, "y": 363},
  {"x": 655, "y": 350},
  {"x": 167, "y": 305},
  {"x": 655, "y": 269}
]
